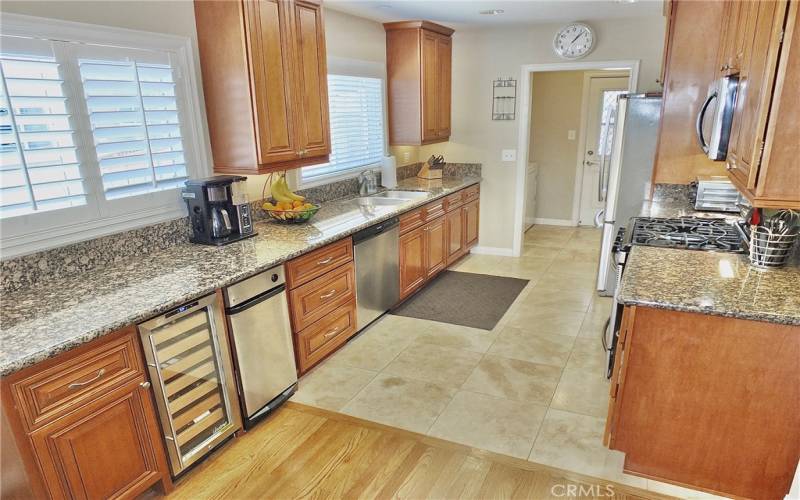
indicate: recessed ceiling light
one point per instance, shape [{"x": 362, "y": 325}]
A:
[{"x": 491, "y": 12}]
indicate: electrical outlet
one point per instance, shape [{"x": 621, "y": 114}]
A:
[
  {"x": 509, "y": 155},
  {"x": 406, "y": 157},
  {"x": 571, "y": 135}
]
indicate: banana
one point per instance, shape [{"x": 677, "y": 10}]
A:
[
  {"x": 278, "y": 191},
  {"x": 288, "y": 192}
]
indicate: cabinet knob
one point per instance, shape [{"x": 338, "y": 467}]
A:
[
  {"x": 145, "y": 385},
  {"x": 728, "y": 166}
]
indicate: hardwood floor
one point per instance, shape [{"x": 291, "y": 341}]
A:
[{"x": 305, "y": 452}]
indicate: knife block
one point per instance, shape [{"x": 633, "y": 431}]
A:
[{"x": 430, "y": 173}]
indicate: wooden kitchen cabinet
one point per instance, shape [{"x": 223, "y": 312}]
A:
[
  {"x": 471, "y": 215},
  {"x": 435, "y": 247},
  {"x": 419, "y": 75},
  {"x": 412, "y": 261},
  {"x": 454, "y": 223},
  {"x": 706, "y": 401},
  {"x": 764, "y": 146},
  {"x": 265, "y": 83},
  {"x": 83, "y": 424}
]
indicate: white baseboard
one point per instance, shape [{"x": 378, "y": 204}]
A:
[
  {"x": 501, "y": 251},
  {"x": 554, "y": 222},
  {"x": 530, "y": 220}
]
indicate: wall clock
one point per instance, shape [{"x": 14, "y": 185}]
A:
[{"x": 574, "y": 41}]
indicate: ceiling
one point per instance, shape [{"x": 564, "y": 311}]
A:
[{"x": 465, "y": 13}]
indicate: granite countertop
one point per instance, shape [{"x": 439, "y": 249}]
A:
[
  {"x": 717, "y": 283},
  {"x": 44, "y": 320}
]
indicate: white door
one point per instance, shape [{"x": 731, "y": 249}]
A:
[{"x": 598, "y": 131}]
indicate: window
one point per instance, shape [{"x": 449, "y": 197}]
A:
[
  {"x": 98, "y": 131},
  {"x": 357, "y": 130}
]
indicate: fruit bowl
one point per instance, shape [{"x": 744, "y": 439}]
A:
[{"x": 295, "y": 215}]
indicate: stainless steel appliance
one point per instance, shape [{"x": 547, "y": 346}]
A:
[
  {"x": 218, "y": 209},
  {"x": 629, "y": 172},
  {"x": 258, "y": 317},
  {"x": 188, "y": 359},
  {"x": 719, "y": 106},
  {"x": 716, "y": 193},
  {"x": 377, "y": 260},
  {"x": 690, "y": 233}
]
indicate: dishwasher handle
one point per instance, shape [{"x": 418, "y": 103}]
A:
[
  {"x": 255, "y": 300},
  {"x": 375, "y": 230}
]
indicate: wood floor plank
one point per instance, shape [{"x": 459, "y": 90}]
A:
[{"x": 311, "y": 454}]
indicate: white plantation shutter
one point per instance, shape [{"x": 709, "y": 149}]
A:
[
  {"x": 39, "y": 167},
  {"x": 135, "y": 125},
  {"x": 99, "y": 128},
  {"x": 357, "y": 131}
]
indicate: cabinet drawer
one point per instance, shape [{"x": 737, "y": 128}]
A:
[
  {"x": 316, "y": 299},
  {"x": 471, "y": 193},
  {"x": 433, "y": 210},
  {"x": 325, "y": 336},
  {"x": 452, "y": 201},
  {"x": 307, "y": 267},
  {"x": 412, "y": 220},
  {"x": 69, "y": 381}
]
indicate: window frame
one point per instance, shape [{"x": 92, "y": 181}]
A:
[
  {"x": 360, "y": 69},
  {"x": 101, "y": 221}
]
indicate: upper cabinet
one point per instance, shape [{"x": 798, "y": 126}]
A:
[
  {"x": 419, "y": 69},
  {"x": 761, "y": 46},
  {"x": 265, "y": 83}
]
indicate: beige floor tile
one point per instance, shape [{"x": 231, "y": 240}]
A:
[
  {"x": 400, "y": 402},
  {"x": 530, "y": 268},
  {"x": 484, "y": 264},
  {"x": 548, "y": 240},
  {"x": 331, "y": 386},
  {"x": 593, "y": 325},
  {"x": 587, "y": 254},
  {"x": 514, "y": 379},
  {"x": 612, "y": 470},
  {"x": 601, "y": 305},
  {"x": 583, "y": 391},
  {"x": 456, "y": 336},
  {"x": 379, "y": 344},
  {"x": 580, "y": 269},
  {"x": 543, "y": 253},
  {"x": 545, "y": 320},
  {"x": 588, "y": 354},
  {"x": 535, "y": 347},
  {"x": 557, "y": 280},
  {"x": 571, "y": 441},
  {"x": 571, "y": 300},
  {"x": 445, "y": 366},
  {"x": 489, "y": 423}
]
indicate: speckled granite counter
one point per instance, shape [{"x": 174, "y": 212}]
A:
[
  {"x": 44, "y": 320},
  {"x": 716, "y": 283}
]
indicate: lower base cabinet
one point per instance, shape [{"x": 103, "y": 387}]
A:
[
  {"x": 706, "y": 401},
  {"x": 83, "y": 425},
  {"x": 412, "y": 261}
]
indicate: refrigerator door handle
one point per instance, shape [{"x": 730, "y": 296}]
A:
[
  {"x": 598, "y": 218},
  {"x": 701, "y": 116}
]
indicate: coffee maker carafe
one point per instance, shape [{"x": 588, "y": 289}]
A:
[{"x": 215, "y": 209}]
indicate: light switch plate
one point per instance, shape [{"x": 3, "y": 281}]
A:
[
  {"x": 571, "y": 135},
  {"x": 509, "y": 155}
]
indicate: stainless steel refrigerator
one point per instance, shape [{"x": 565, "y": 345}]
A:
[{"x": 630, "y": 171}]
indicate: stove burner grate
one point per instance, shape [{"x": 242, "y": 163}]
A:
[{"x": 690, "y": 233}]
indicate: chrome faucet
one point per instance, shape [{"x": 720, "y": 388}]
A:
[{"x": 367, "y": 183}]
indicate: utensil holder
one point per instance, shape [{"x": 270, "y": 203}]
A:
[{"x": 770, "y": 249}]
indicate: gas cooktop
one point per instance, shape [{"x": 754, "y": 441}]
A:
[{"x": 686, "y": 232}]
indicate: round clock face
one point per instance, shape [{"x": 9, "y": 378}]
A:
[{"x": 573, "y": 41}]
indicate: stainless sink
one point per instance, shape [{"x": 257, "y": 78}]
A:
[
  {"x": 401, "y": 195},
  {"x": 377, "y": 200}
]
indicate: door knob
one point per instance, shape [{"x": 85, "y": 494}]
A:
[{"x": 145, "y": 385}]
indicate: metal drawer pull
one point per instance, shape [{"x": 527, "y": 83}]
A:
[
  {"x": 328, "y": 295},
  {"x": 100, "y": 373},
  {"x": 331, "y": 333},
  {"x": 324, "y": 261}
]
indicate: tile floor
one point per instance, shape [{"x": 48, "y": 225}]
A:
[{"x": 533, "y": 387}]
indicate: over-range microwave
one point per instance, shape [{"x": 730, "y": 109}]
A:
[{"x": 715, "y": 117}]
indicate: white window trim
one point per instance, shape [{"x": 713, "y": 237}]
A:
[
  {"x": 194, "y": 147},
  {"x": 351, "y": 67}
]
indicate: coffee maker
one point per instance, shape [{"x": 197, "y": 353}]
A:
[{"x": 219, "y": 211}]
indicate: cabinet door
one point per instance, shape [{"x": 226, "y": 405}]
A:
[
  {"x": 412, "y": 261},
  {"x": 471, "y": 214},
  {"x": 444, "y": 66},
  {"x": 430, "y": 86},
  {"x": 268, "y": 26},
  {"x": 106, "y": 449},
  {"x": 454, "y": 223},
  {"x": 756, "y": 57},
  {"x": 313, "y": 129},
  {"x": 436, "y": 247}
]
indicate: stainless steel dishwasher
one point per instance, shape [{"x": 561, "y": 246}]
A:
[
  {"x": 377, "y": 255},
  {"x": 258, "y": 321}
]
